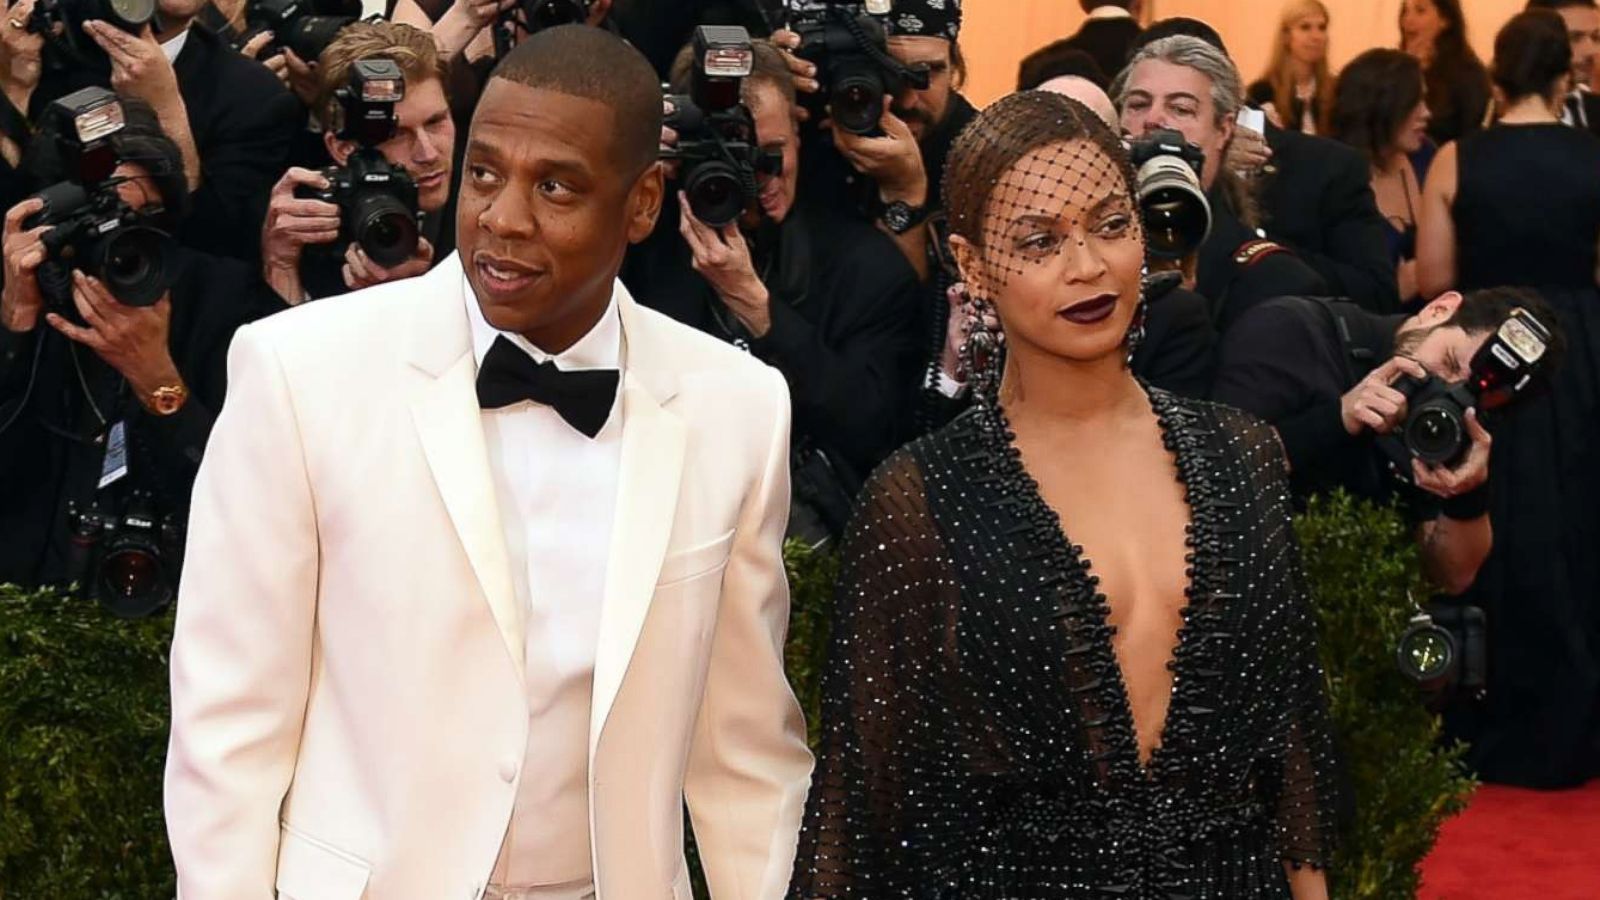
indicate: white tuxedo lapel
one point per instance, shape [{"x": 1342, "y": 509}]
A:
[
  {"x": 444, "y": 407},
  {"x": 653, "y": 440}
]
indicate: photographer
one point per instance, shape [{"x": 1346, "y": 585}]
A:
[
  {"x": 826, "y": 300},
  {"x": 231, "y": 118},
  {"x": 1325, "y": 373},
  {"x": 1186, "y": 85},
  {"x": 106, "y": 405},
  {"x": 301, "y": 256}
]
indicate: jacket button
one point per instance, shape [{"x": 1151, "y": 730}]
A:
[{"x": 508, "y": 771}]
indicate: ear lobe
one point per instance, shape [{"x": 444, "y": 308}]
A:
[
  {"x": 1445, "y": 305},
  {"x": 339, "y": 150},
  {"x": 970, "y": 264}
]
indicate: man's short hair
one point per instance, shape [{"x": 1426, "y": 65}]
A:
[
  {"x": 1055, "y": 60},
  {"x": 412, "y": 49},
  {"x": 594, "y": 64},
  {"x": 1484, "y": 311},
  {"x": 767, "y": 69},
  {"x": 1175, "y": 27}
]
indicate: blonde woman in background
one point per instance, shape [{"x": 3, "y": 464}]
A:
[{"x": 1296, "y": 90}]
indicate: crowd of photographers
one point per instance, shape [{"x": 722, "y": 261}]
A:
[{"x": 174, "y": 169}]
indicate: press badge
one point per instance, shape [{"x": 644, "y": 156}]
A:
[{"x": 116, "y": 461}]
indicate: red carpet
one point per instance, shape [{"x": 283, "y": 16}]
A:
[{"x": 1513, "y": 844}]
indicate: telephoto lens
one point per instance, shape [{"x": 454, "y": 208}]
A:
[{"x": 1176, "y": 213}]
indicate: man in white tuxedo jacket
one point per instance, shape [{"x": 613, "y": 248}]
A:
[{"x": 484, "y": 576}]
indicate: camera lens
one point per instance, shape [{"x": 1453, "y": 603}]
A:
[
  {"x": 132, "y": 582},
  {"x": 1435, "y": 434},
  {"x": 384, "y": 228},
  {"x": 715, "y": 194},
  {"x": 1177, "y": 216},
  {"x": 129, "y": 15},
  {"x": 134, "y": 263},
  {"x": 857, "y": 102}
]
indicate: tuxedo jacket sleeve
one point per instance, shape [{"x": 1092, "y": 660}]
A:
[
  {"x": 242, "y": 652},
  {"x": 1321, "y": 205},
  {"x": 746, "y": 783}
]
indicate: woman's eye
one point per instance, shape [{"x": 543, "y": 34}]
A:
[
  {"x": 1040, "y": 243},
  {"x": 1115, "y": 226}
]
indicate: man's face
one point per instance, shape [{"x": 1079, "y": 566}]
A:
[
  {"x": 1445, "y": 351},
  {"x": 776, "y": 130},
  {"x": 1162, "y": 95},
  {"x": 924, "y": 110},
  {"x": 1583, "y": 29},
  {"x": 423, "y": 142},
  {"x": 135, "y": 187},
  {"x": 548, "y": 205}
]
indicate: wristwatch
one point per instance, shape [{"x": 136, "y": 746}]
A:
[
  {"x": 901, "y": 216},
  {"x": 167, "y": 399}
]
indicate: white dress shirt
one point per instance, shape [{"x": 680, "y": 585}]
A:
[{"x": 557, "y": 495}]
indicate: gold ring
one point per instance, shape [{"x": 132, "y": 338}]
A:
[{"x": 15, "y": 22}]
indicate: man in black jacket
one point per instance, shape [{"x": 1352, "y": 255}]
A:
[
  {"x": 230, "y": 116},
  {"x": 105, "y": 400},
  {"x": 824, "y": 298},
  {"x": 1108, "y": 36}
]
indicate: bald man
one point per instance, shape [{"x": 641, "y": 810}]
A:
[{"x": 1086, "y": 92}]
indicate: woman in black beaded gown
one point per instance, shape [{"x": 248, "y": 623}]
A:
[{"x": 1002, "y": 717}]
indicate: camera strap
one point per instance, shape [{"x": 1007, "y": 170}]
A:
[
  {"x": 1359, "y": 349},
  {"x": 15, "y": 124}
]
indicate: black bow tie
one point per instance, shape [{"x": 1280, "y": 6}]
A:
[{"x": 582, "y": 397}]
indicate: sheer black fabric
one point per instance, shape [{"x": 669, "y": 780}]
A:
[{"x": 977, "y": 740}]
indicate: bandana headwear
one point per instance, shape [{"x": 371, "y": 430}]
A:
[{"x": 925, "y": 18}]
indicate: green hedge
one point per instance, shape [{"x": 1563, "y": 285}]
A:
[{"x": 83, "y": 710}]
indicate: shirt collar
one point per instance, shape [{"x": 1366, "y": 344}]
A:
[
  {"x": 174, "y": 45},
  {"x": 601, "y": 348},
  {"x": 1110, "y": 12}
]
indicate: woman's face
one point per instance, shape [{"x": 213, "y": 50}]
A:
[
  {"x": 1308, "y": 39},
  {"x": 1062, "y": 255},
  {"x": 1420, "y": 25},
  {"x": 1413, "y": 131}
]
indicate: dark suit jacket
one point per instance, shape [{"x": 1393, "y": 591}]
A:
[
  {"x": 211, "y": 298},
  {"x": 1232, "y": 287},
  {"x": 1109, "y": 41},
  {"x": 1319, "y": 203},
  {"x": 243, "y": 121},
  {"x": 844, "y": 322}
]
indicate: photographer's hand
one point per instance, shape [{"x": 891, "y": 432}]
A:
[
  {"x": 131, "y": 339},
  {"x": 360, "y": 271},
  {"x": 139, "y": 68},
  {"x": 805, "y": 74},
  {"x": 1373, "y": 403},
  {"x": 893, "y": 160},
  {"x": 277, "y": 63},
  {"x": 463, "y": 21},
  {"x": 598, "y": 10},
  {"x": 1247, "y": 153},
  {"x": 21, "y": 301},
  {"x": 21, "y": 55},
  {"x": 292, "y": 223},
  {"x": 303, "y": 78},
  {"x": 723, "y": 259},
  {"x": 1469, "y": 474}
]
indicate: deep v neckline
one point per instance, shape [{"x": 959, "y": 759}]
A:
[{"x": 1184, "y": 442}]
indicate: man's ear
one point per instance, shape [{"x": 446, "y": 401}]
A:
[
  {"x": 339, "y": 150},
  {"x": 644, "y": 202},
  {"x": 1441, "y": 308}
]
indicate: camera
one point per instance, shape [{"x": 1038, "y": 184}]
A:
[
  {"x": 854, "y": 69},
  {"x": 1435, "y": 428},
  {"x": 529, "y": 16},
  {"x": 305, "y": 26},
  {"x": 716, "y": 133},
  {"x": 127, "y": 563},
  {"x": 91, "y": 228},
  {"x": 61, "y": 24},
  {"x": 377, "y": 200},
  {"x": 1177, "y": 216}
]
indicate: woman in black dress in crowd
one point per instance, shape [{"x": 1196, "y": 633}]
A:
[
  {"x": 1435, "y": 32},
  {"x": 1002, "y": 717},
  {"x": 1380, "y": 108},
  {"x": 1519, "y": 205}
]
